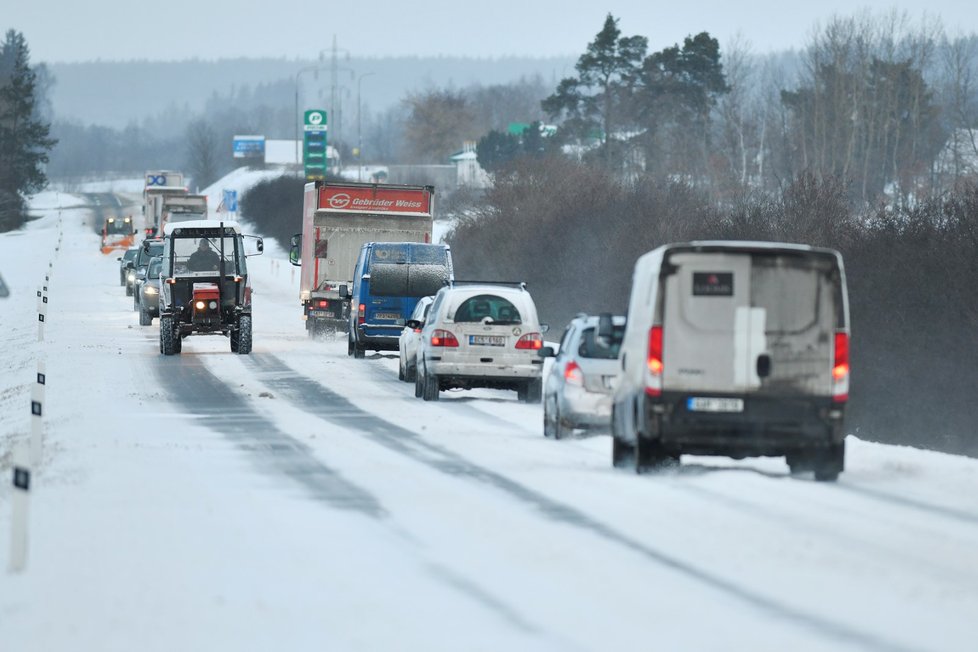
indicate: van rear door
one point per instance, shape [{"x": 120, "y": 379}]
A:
[{"x": 749, "y": 322}]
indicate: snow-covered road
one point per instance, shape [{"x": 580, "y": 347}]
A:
[{"x": 300, "y": 498}]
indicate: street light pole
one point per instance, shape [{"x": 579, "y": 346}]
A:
[{"x": 359, "y": 132}]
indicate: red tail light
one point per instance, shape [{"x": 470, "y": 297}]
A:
[
  {"x": 443, "y": 338},
  {"x": 654, "y": 366},
  {"x": 532, "y": 341},
  {"x": 840, "y": 369},
  {"x": 573, "y": 374},
  {"x": 323, "y": 304},
  {"x": 361, "y": 314}
]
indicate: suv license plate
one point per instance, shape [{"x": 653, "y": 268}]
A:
[
  {"x": 392, "y": 316},
  {"x": 487, "y": 340},
  {"x": 710, "y": 404}
]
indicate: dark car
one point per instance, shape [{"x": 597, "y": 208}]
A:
[
  {"x": 148, "y": 296},
  {"x": 128, "y": 257},
  {"x": 147, "y": 251}
]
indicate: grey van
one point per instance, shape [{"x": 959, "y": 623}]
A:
[{"x": 737, "y": 349}]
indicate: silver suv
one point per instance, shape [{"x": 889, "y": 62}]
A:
[
  {"x": 481, "y": 335},
  {"x": 577, "y": 389}
]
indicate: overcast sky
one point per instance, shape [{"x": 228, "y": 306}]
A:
[{"x": 83, "y": 30}]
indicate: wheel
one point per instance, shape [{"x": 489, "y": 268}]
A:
[
  {"x": 549, "y": 425},
  {"x": 349, "y": 346},
  {"x": 830, "y": 462},
  {"x": 410, "y": 372},
  {"x": 800, "y": 462},
  {"x": 244, "y": 334},
  {"x": 560, "y": 430},
  {"x": 418, "y": 385},
  {"x": 122, "y": 278},
  {"x": 622, "y": 454},
  {"x": 358, "y": 351},
  {"x": 145, "y": 319},
  {"x": 431, "y": 389},
  {"x": 649, "y": 455},
  {"x": 400, "y": 369},
  {"x": 135, "y": 301},
  {"x": 534, "y": 390},
  {"x": 177, "y": 343},
  {"x": 233, "y": 338},
  {"x": 128, "y": 290},
  {"x": 168, "y": 340}
]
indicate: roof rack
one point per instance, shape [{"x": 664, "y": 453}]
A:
[{"x": 517, "y": 284}]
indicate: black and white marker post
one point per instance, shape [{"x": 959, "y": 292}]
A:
[
  {"x": 37, "y": 414},
  {"x": 21, "y": 505},
  {"x": 42, "y": 310}
]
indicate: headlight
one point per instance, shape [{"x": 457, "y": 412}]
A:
[
  {"x": 212, "y": 305},
  {"x": 131, "y": 276},
  {"x": 200, "y": 305},
  {"x": 149, "y": 289}
]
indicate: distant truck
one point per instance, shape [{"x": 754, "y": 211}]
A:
[
  {"x": 337, "y": 220},
  {"x": 159, "y": 184},
  {"x": 182, "y": 208}
]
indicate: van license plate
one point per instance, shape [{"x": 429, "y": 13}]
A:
[
  {"x": 712, "y": 404},
  {"x": 487, "y": 340},
  {"x": 320, "y": 313},
  {"x": 393, "y": 316}
]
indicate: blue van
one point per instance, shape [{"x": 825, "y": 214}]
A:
[{"x": 388, "y": 281}]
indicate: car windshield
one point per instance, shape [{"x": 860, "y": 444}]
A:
[
  {"x": 113, "y": 226},
  {"x": 155, "y": 248},
  {"x": 592, "y": 346},
  {"x": 155, "y": 267},
  {"x": 202, "y": 255},
  {"x": 129, "y": 255},
  {"x": 482, "y": 306}
]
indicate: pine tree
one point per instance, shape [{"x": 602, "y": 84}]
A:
[{"x": 24, "y": 138}]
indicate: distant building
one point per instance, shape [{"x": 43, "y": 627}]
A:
[{"x": 468, "y": 172}]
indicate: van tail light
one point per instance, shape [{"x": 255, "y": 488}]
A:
[
  {"x": 362, "y": 314},
  {"x": 840, "y": 369},
  {"x": 531, "y": 341},
  {"x": 654, "y": 366},
  {"x": 323, "y": 303},
  {"x": 443, "y": 338},
  {"x": 573, "y": 374}
]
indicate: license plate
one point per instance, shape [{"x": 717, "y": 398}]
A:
[
  {"x": 320, "y": 313},
  {"x": 712, "y": 404},
  {"x": 392, "y": 316},
  {"x": 487, "y": 340}
]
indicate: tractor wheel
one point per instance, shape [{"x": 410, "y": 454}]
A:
[
  {"x": 244, "y": 334},
  {"x": 168, "y": 341}
]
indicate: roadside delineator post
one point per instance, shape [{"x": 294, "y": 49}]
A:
[
  {"x": 37, "y": 414},
  {"x": 21, "y": 505}
]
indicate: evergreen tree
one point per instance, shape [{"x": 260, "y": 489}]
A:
[
  {"x": 599, "y": 101},
  {"x": 24, "y": 137}
]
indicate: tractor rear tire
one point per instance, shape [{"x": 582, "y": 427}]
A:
[
  {"x": 169, "y": 341},
  {"x": 244, "y": 334}
]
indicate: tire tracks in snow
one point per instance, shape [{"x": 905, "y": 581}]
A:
[
  {"x": 312, "y": 397},
  {"x": 217, "y": 407}
]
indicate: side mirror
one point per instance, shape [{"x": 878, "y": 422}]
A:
[
  {"x": 141, "y": 273},
  {"x": 544, "y": 328},
  {"x": 295, "y": 250},
  {"x": 414, "y": 324},
  {"x": 130, "y": 265},
  {"x": 119, "y": 258},
  {"x": 260, "y": 245},
  {"x": 546, "y": 352},
  {"x": 606, "y": 328},
  {"x": 344, "y": 291}
]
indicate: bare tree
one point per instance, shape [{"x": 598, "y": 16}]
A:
[{"x": 202, "y": 153}]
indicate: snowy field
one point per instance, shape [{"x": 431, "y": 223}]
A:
[{"x": 300, "y": 499}]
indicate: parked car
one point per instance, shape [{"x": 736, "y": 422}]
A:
[
  {"x": 737, "y": 349},
  {"x": 410, "y": 337},
  {"x": 127, "y": 257},
  {"x": 148, "y": 296},
  {"x": 481, "y": 335},
  {"x": 577, "y": 389},
  {"x": 388, "y": 280}
]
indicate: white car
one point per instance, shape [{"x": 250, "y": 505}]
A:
[
  {"x": 410, "y": 337},
  {"x": 481, "y": 335}
]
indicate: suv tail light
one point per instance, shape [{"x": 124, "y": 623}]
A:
[
  {"x": 323, "y": 303},
  {"x": 532, "y": 341},
  {"x": 362, "y": 314},
  {"x": 654, "y": 366},
  {"x": 573, "y": 374},
  {"x": 840, "y": 369},
  {"x": 443, "y": 338}
]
